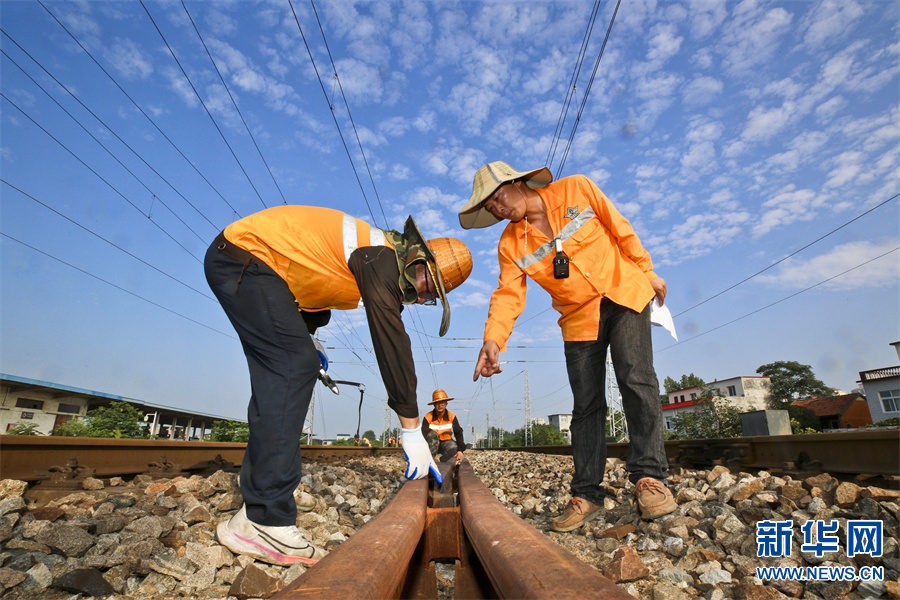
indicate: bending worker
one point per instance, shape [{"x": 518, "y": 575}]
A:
[
  {"x": 440, "y": 426},
  {"x": 278, "y": 273},
  {"x": 569, "y": 238}
]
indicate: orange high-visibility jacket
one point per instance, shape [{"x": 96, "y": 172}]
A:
[
  {"x": 308, "y": 246},
  {"x": 443, "y": 426},
  {"x": 606, "y": 259}
]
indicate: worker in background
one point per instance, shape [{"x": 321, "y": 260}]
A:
[
  {"x": 440, "y": 427},
  {"x": 278, "y": 274},
  {"x": 569, "y": 238}
]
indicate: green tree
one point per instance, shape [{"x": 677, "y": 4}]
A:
[
  {"x": 71, "y": 428},
  {"x": 686, "y": 381},
  {"x": 24, "y": 429},
  {"x": 541, "y": 435},
  {"x": 118, "y": 420},
  {"x": 370, "y": 435},
  {"x": 805, "y": 418},
  {"x": 790, "y": 381},
  {"x": 712, "y": 418},
  {"x": 229, "y": 431}
]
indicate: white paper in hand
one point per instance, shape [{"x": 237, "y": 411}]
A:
[{"x": 660, "y": 315}]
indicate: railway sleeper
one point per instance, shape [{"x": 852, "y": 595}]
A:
[{"x": 495, "y": 554}]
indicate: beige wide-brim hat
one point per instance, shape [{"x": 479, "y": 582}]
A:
[
  {"x": 489, "y": 178},
  {"x": 439, "y": 396}
]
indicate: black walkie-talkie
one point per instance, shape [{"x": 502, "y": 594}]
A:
[{"x": 560, "y": 262}]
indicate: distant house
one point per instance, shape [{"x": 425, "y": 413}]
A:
[
  {"x": 747, "y": 393},
  {"x": 882, "y": 388},
  {"x": 839, "y": 412},
  {"x": 563, "y": 423}
]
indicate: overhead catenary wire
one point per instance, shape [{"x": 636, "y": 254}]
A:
[
  {"x": 203, "y": 104},
  {"x": 795, "y": 252},
  {"x": 587, "y": 91},
  {"x": 234, "y": 102},
  {"x": 141, "y": 110},
  {"x": 570, "y": 89},
  {"x": 788, "y": 297},
  {"x": 333, "y": 116},
  {"x": 116, "y": 246},
  {"x": 118, "y": 287},
  {"x": 111, "y": 186},
  {"x": 101, "y": 121}
]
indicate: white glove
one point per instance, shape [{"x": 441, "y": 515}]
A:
[{"x": 418, "y": 455}]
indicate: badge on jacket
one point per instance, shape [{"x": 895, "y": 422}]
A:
[{"x": 571, "y": 212}]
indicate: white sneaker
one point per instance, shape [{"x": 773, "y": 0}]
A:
[{"x": 276, "y": 545}]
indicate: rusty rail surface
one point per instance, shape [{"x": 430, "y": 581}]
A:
[
  {"x": 31, "y": 458},
  {"x": 862, "y": 451},
  {"x": 496, "y": 554}
]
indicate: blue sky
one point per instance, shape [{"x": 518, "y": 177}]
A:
[{"x": 731, "y": 134}]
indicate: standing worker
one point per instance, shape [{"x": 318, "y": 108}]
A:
[
  {"x": 278, "y": 273},
  {"x": 440, "y": 426},
  {"x": 570, "y": 239}
]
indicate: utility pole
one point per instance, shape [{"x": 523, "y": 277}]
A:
[
  {"x": 311, "y": 420},
  {"x": 500, "y": 433},
  {"x": 616, "y": 415},
  {"x": 387, "y": 423},
  {"x": 489, "y": 429},
  {"x": 529, "y": 440}
]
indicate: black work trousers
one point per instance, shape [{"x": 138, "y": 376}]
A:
[{"x": 283, "y": 366}]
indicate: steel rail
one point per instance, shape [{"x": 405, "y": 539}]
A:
[
  {"x": 496, "y": 554},
  {"x": 31, "y": 458},
  {"x": 861, "y": 451}
]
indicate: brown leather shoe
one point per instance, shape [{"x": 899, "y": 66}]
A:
[
  {"x": 577, "y": 512},
  {"x": 653, "y": 498}
]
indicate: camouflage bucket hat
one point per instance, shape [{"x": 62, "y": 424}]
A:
[
  {"x": 487, "y": 180},
  {"x": 412, "y": 247}
]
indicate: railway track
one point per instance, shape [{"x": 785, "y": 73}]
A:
[
  {"x": 494, "y": 554},
  {"x": 37, "y": 459}
]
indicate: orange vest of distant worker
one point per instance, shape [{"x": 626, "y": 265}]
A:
[
  {"x": 308, "y": 247},
  {"x": 443, "y": 427}
]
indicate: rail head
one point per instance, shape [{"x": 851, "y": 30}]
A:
[{"x": 520, "y": 560}]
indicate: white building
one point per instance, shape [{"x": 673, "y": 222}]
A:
[
  {"x": 748, "y": 393},
  {"x": 882, "y": 390},
  {"x": 563, "y": 423}
]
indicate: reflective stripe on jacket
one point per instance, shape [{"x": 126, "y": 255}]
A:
[
  {"x": 443, "y": 427},
  {"x": 606, "y": 259},
  {"x": 308, "y": 247}
]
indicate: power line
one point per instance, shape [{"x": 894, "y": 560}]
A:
[
  {"x": 333, "y": 116},
  {"x": 788, "y": 256},
  {"x": 111, "y": 186},
  {"x": 781, "y": 300},
  {"x": 203, "y": 104},
  {"x": 98, "y": 236},
  {"x": 141, "y": 110},
  {"x": 570, "y": 89},
  {"x": 347, "y": 105},
  {"x": 247, "y": 127},
  {"x": 6, "y": 235},
  {"x": 587, "y": 91},
  {"x": 102, "y": 145}
]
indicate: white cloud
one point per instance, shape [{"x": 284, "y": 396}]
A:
[
  {"x": 664, "y": 43},
  {"x": 785, "y": 207},
  {"x": 701, "y": 90},
  {"x": 753, "y": 36},
  {"x": 830, "y": 19},
  {"x": 801, "y": 273},
  {"x": 129, "y": 60}
]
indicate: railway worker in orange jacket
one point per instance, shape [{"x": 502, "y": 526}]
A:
[
  {"x": 440, "y": 426},
  {"x": 569, "y": 238},
  {"x": 278, "y": 274}
]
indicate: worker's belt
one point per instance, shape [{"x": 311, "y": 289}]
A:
[{"x": 222, "y": 244}]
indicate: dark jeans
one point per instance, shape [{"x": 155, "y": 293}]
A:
[
  {"x": 627, "y": 333},
  {"x": 283, "y": 367}
]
